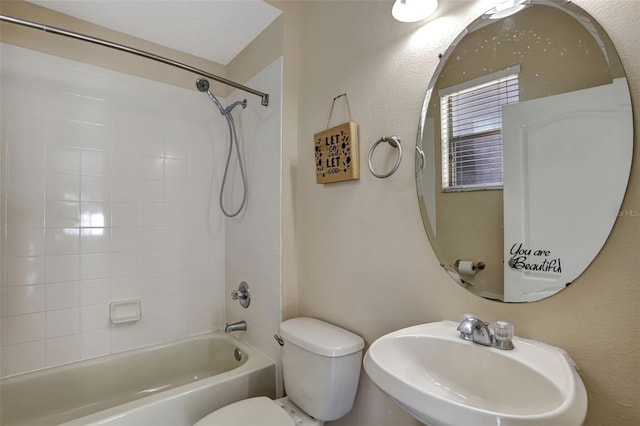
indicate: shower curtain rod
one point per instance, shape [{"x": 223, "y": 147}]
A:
[{"x": 134, "y": 51}]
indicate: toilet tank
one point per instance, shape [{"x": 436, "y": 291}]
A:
[{"x": 320, "y": 366}]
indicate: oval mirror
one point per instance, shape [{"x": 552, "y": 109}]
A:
[{"x": 524, "y": 150}]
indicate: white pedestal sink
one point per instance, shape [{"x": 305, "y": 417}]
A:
[{"x": 444, "y": 380}]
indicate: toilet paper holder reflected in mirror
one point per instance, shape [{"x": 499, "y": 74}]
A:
[{"x": 463, "y": 266}]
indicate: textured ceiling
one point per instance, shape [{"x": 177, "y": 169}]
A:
[{"x": 216, "y": 30}]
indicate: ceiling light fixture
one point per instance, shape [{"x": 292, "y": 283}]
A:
[
  {"x": 507, "y": 8},
  {"x": 413, "y": 10}
]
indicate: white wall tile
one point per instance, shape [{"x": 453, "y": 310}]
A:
[
  {"x": 93, "y": 162},
  {"x": 62, "y": 159},
  {"x": 26, "y": 270},
  {"x": 175, "y": 327},
  {"x": 63, "y": 322},
  {"x": 175, "y": 215},
  {"x": 151, "y": 191},
  {"x": 176, "y": 260},
  {"x": 152, "y": 332},
  {"x": 175, "y": 169},
  {"x": 29, "y": 184},
  {"x": 152, "y": 261},
  {"x": 151, "y": 167},
  {"x": 156, "y": 308},
  {"x": 27, "y": 100},
  {"x": 94, "y": 188},
  {"x": 151, "y": 214},
  {"x": 124, "y": 164},
  {"x": 27, "y": 299},
  {"x": 153, "y": 285},
  {"x": 176, "y": 192},
  {"x": 25, "y": 328},
  {"x": 94, "y": 215},
  {"x": 124, "y": 214},
  {"x": 24, "y": 144},
  {"x": 124, "y": 337},
  {"x": 95, "y": 240},
  {"x": 125, "y": 287},
  {"x": 25, "y": 213},
  {"x": 151, "y": 141},
  {"x": 25, "y": 242},
  {"x": 63, "y": 268},
  {"x": 63, "y": 187},
  {"x": 124, "y": 263},
  {"x": 94, "y": 266},
  {"x": 94, "y": 317},
  {"x": 63, "y": 295},
  {"x": 94, "y": 292},
  {"x": 175, "y": 146},
  {"x": 61, "y": 350},
  {"x": 63, "y": 241},
  {"x": 124, "y": 239},
  {"x": 26, "y": 357},
  {"x": 175, "y": 238},
  {"x": 95, "y": 343},
  {"x": 62, "y": 214},
  {"x": 123, "y": 189},
  {"x": 151, "y": 238}
]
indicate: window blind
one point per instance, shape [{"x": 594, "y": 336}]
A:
[{"x": 472, "y": 131}]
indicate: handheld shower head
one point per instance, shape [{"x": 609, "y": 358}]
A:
[{"x": 202, "y": 84}]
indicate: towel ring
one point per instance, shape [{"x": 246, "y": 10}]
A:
[{"x": 394, "y": 141}]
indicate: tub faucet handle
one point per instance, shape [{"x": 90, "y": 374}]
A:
[{"x": 242, "y": 294}]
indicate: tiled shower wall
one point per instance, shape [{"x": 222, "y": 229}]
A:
[
  {"x": 253, "y": 238},
  {"x": 105, "y": 182}
]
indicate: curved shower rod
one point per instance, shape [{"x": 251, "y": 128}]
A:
[{"x": 134, "y": 51}]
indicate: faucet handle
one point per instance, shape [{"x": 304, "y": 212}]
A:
[
  {"x": 503, "y": 332},
  {"x": 242, "y": 294}
]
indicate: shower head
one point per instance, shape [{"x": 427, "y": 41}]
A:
[{"x": 202, "y": 84}]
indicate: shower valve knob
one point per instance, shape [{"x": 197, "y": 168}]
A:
[{"x": 242, "y": 294}]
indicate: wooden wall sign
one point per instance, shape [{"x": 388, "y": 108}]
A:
[{"x": 336, "y": 151}]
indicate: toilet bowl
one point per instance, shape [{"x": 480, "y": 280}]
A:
[{"x": 321, "y": 369}]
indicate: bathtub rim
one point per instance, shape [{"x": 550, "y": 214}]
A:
[{"x": 142, "y": 349}]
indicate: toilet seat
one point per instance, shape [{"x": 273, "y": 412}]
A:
[{"x": 260, "y": 411}]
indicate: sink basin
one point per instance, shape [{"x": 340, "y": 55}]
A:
[{"x": 442, "y": 379}]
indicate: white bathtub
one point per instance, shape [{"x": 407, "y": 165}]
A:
[{"x": 172, "y": 384}]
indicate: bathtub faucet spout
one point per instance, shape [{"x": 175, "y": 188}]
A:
[{"x": 236, "y": 326}]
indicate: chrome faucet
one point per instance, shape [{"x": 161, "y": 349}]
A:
[
  {"x": 475, "y": 330},
  {"x": 235, "y": 326}
]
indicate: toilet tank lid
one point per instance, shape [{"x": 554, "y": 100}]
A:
[{"x": 320, "y": 337}]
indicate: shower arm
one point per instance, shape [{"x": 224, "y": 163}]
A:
[{"x": 134, "y": 51}]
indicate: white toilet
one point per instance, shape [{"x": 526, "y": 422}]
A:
[{"x": 321, "y": 368}]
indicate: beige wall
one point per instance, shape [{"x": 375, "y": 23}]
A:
[{"x": 364, "y": 262}]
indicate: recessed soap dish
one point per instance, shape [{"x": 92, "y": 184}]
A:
[{"x": 125, "y": 311}]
